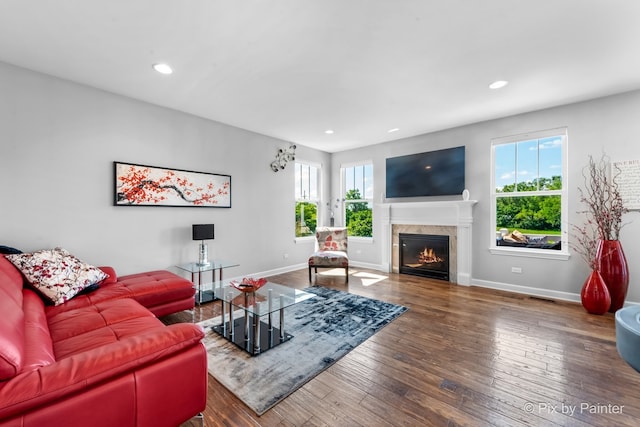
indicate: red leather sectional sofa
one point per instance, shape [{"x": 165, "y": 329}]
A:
[{"x": 100, "y": 359}]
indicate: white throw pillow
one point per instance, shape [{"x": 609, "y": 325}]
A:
[{"x": 57, "y": 274}]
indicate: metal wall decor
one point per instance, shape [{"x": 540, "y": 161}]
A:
[{"x": 284, "y": 156}]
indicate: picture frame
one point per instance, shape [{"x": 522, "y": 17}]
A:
[
  {"x": 143, "y": 185},
  {"x": 626, "y": 175}
]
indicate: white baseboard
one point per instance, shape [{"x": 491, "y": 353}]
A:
[
  {"x": 370, "y": 266},
  {"x": 537, "y": 292},
  {"x": 527, "y": 290},
  {"x": 276, "y": 271}
]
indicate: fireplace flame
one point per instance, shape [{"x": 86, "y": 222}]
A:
[{"x": 428, "y": 256}]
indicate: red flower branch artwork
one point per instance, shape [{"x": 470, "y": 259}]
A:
[{"x": 139, "y": 185}]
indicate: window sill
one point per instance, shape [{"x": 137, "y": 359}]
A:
[
  {"x": 530, "y": 253},
  {"x": 304, "y": 239},
  {"x": 357, "y": 239}
]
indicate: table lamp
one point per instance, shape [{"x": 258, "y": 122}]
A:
[{"x": 203, "y": 232}]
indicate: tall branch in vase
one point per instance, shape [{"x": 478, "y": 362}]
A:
[{"x": 602, "y": 197}]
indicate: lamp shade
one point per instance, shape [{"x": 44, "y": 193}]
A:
[{"x": 202, "y": 232}]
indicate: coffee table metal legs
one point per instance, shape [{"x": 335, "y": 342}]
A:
[
  {"x": 253, "y": 335},
  {"x": 270, "y": 310},
  {"x": 223, "y": 313},
  {"x": 256, "y": 334},
  {"x": 228, "y": 329},
  {"x": 246, "y": 321},
  {"x": 281, "y": 317}
]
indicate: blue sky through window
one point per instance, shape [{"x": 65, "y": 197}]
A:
[
  {"x": 306, "y": 182},
  {"x": 525, "y": 161},
  {"x": 360, "y": 178}
]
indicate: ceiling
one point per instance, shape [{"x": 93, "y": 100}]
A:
[{"x": 293, "y": 69}]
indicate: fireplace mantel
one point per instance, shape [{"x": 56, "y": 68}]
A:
[{"x": 455, "y": 213}]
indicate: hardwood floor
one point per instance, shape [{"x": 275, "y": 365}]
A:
[{"x": 459, "y": 356}]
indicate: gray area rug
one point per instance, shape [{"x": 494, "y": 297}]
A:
[{"x": 324, "y": 328}]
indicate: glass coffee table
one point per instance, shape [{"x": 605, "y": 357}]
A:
[{"x": 247, "y": 317}]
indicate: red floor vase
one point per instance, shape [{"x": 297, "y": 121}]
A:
[
  {"x": 595, "y": 295},
  {"x": 613, "y": 268}
]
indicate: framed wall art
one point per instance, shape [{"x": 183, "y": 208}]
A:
[
  {"x": 626, "y": 174},
  {"x": 140, "y": 185}
]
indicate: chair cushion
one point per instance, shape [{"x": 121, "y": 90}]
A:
[
  {"x": 332, "y": 239},
  {"x": 329, "y": 259}
]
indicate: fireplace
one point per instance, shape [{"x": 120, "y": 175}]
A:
[
  {"x": 453, "y": 218},
  {"x": 424, "y": 255}
]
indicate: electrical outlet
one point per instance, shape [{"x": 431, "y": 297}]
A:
[
  {"x": 516, "y": 270},
  {"x": 285, "y": 256}
]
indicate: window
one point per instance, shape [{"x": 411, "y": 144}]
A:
[
  {"x": 358, "y": 199},
  {"x": 307, "y": 198},
  {"x": 529, "y": 195}
]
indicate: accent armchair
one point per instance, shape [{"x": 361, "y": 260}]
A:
[{"x": 330, "y": 250}]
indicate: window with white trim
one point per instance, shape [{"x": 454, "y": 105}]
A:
[
  {"x": 529, "y": 192},
  {"x": 307, "y": 195},
  {"x": 357, "y": 193}
]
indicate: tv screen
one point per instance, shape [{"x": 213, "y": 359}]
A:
[{"x": 434, "y": 173}]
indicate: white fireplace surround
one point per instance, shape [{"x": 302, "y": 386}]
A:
[{"x": 456, "y": 213}]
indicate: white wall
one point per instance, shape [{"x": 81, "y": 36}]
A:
[
  {"x": 58, "y": 143},
  {"x": 608, "y": 124}
]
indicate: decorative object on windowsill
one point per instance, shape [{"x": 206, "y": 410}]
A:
[
  {"x": 604, "y": 212},
  {"x": 203, "y": 232},
  {"x": 332, "y": 211},
  {"x": 465, "y": 194},
  {"x": 594, "y": 295},
  {"x": 248, "y": 284},
  {"x": 284, "y": 156}
]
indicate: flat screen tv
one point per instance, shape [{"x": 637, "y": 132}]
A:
[{"x": 434, "y": 173}]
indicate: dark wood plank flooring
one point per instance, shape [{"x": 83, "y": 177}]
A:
[{"x": 459, "y": 356}]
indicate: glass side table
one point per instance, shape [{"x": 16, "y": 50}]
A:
[
  {"x": 196, "y": 270},
  {"x": 247, "y": 317}
]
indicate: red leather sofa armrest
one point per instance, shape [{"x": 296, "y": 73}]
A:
[
  {"x": 83, "y": 370},
  {"x": 113, "y": 277}
]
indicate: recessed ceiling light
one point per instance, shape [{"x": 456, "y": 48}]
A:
[
  {"x": 328, "y": 131},
  {"x": 393, "y": 130},
  {"x": 498, "y": 84},
  {"x": 162, "y": 68}
]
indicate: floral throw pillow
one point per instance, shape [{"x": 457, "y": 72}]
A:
[{"x": 57, "y": 274}]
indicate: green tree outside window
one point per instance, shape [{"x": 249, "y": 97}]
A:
[
  {"x": 359, "y": 216},
  {"x": 307, "y": 178},
  {"x": 306, "y": 218},
  {"x": 530, "y": 214}
]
